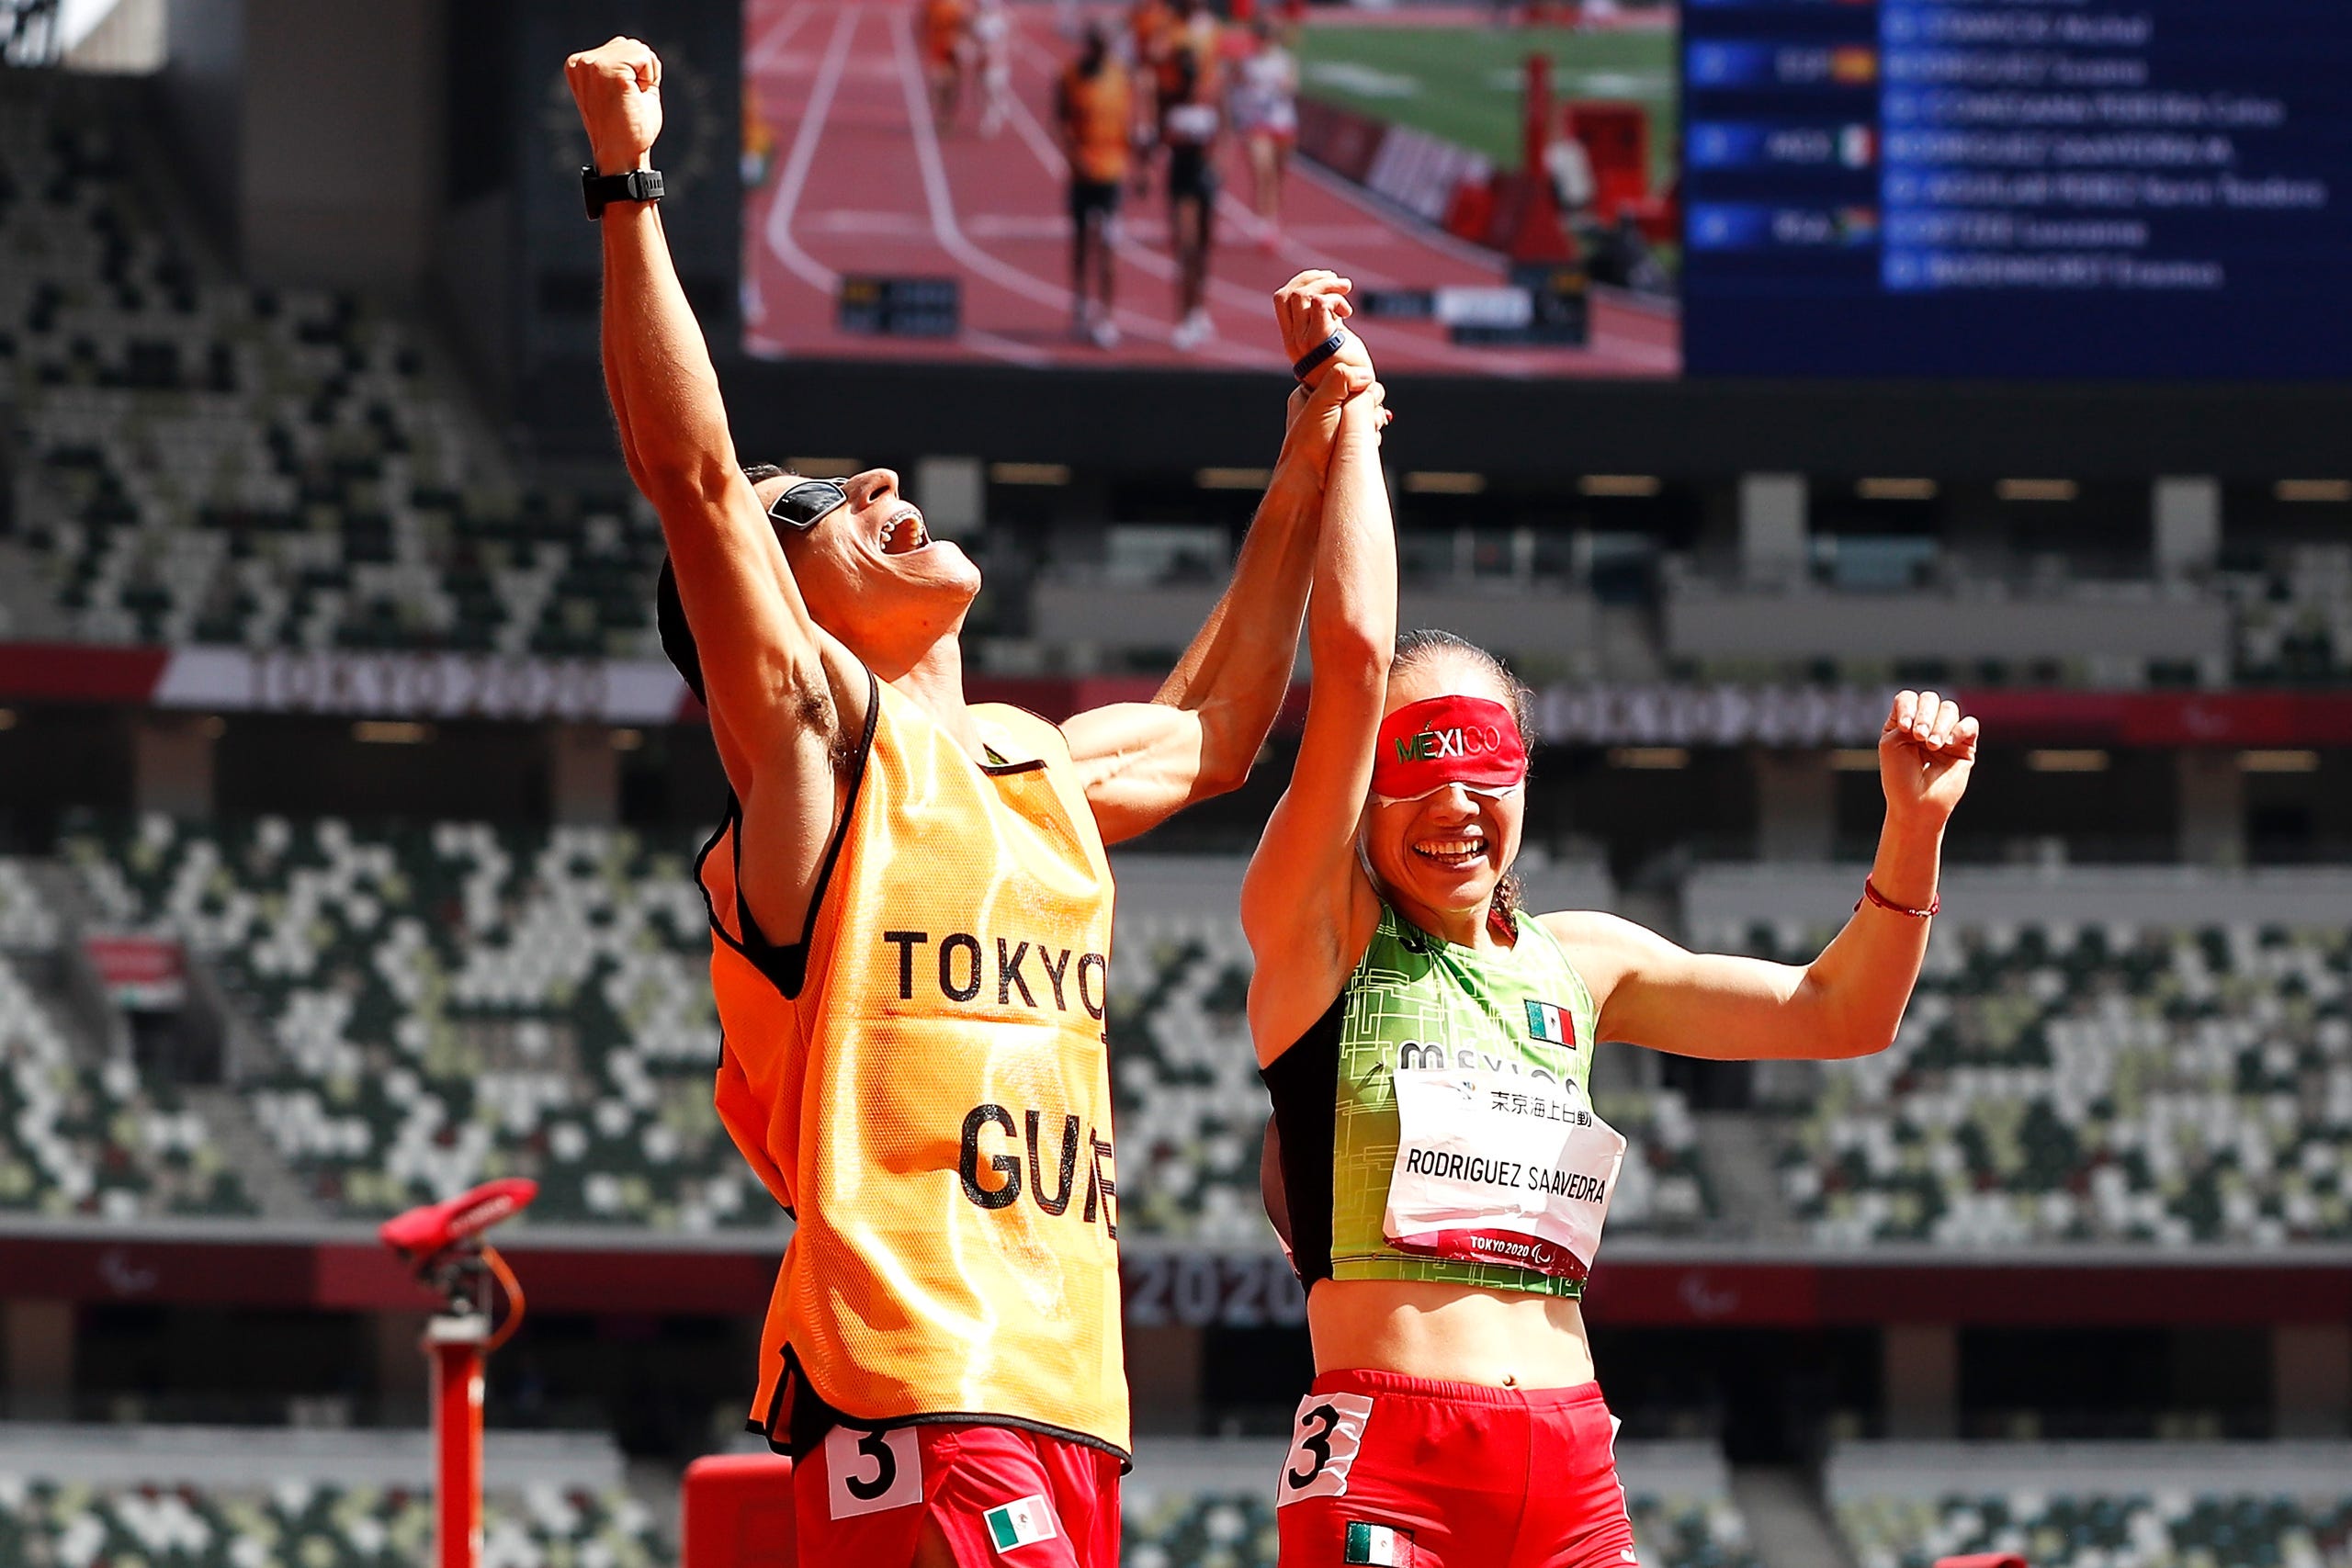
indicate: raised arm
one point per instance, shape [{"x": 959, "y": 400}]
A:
[
  {"x": 1307, "y": 906},
  {"x": 1145, "y": 761},
  {"x": 1849, "y": 1001},
  {"x": 781, "y": 691}
]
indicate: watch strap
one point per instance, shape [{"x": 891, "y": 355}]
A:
[
  {"x": 633, "y": 184},
  {"x": 1315, "y": 356}
]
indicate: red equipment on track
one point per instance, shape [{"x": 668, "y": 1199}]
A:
[
  {"x": 738, "y": 1513},
  {"x": 442, "y": 1242}
]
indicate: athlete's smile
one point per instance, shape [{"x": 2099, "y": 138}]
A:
[{"x": 1455, "y": 852}]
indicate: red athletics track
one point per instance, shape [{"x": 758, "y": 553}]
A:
[{"x": 864, "y": 182}]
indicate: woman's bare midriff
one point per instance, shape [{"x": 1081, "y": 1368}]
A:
[{"x": 1449, "y": 1333}]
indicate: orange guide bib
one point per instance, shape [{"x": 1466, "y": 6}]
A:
[
  {"x": 1100, "y": 115},
  {"x": 933, "y": 1103}
]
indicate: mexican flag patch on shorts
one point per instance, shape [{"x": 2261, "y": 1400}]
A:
[
  {"x": 1020, "y": 1522},
  {"x": 1378, "y": 1544}
]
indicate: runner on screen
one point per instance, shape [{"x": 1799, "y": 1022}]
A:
[{"x": 1094, "y": 108}]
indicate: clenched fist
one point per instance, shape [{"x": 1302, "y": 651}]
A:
[
  {"x": 1925, "y": 754},
  {"x": 1309, "y": 309},
  {"x": 617, "y": 86}
]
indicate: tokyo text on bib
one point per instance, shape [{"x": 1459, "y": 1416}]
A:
[{"x": 1494, "y": 1169}]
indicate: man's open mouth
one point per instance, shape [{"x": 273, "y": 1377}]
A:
[{"x": 903, "y": 534}]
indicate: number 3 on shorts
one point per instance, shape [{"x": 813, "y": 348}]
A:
[
  {"x": 1329, "y": 1431},
  {"x": 871, "y": 1473}
]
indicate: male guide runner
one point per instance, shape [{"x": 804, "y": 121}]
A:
[
  {"x": 1093, "y": 105},
  {"x": 910, "y": 911}
]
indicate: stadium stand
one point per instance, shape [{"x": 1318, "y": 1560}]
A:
[
  {"x": 312, "y": 1524},
  {"x": 1976, "y": 628},
  {"x": 453, "y": 1003},
  {"x": 322, "y": 1499},
  {"x": 78, "y": 1139},
  {"x": 2294, "y": 617},
  {"x": 450, "y": 1003},
  {"x": 2096, "y": 1506},
  {"x": 1208, "y": 1503},
  {"x": 213, "y": 463},
  {"x": 26, "y": 923},
  {"x": 2074, "y": 1079}
]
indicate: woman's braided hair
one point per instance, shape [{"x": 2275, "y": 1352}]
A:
[{"x": 1417, "y": 648}]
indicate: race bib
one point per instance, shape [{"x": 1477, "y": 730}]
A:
[
  {"x": 871, "y": 1473},
  {"x": 1324, "y": 1439},
  {"x": 1492, "y": 1168}
]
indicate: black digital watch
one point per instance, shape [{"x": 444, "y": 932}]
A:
[{"x": 637, "y": 185}]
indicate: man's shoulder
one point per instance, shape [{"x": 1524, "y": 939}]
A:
[{"x": 1030, "y": 736}]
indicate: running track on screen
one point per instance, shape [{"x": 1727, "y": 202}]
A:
[{"x": 863, "y": 181}]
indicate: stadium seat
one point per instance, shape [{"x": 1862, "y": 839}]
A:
[
  {"x": 27, "y": 924},
  {"x": 2295, "y": 617},
  {"x": 454, "y": 1003},
  {"x": 311, "y": 1524},
  {"x": 219, "y": 464},
  {"x": 2077, "y": 1530},
  {"x": 2090, "y": 1083},
  {"x": 78, "y": 1139},
  {"x": 2094, "y": 1505}
]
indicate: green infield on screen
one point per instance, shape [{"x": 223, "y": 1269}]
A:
[{"x": 1464, "y": 83}]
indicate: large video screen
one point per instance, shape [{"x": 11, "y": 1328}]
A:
[
  {"x": 943, "y": 179},
  {"x": 2076, "y": 188}
]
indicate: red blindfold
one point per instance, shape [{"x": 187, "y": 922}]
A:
[{"x": 1424, "y": 745}]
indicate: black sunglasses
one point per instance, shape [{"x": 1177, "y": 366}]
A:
[{"x": 802, "y": 506}]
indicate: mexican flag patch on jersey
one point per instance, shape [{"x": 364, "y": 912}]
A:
[
  {"x": 1554, "y": 1025},
  {"x": 1020, "y": 1522},
  {"x": 1378, "y": 1544}
]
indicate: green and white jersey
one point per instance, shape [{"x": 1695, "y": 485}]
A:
[{"x": 1414, "y": 1001}]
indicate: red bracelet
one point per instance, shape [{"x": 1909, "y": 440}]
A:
[{"x": 1872, "y": 895}]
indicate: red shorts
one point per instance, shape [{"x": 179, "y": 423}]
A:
[
  {"x": 1387, "y": 1469},
  {"x": 999, "y": 1494}
]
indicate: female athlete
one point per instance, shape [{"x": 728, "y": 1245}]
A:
[
  {"x": 1265, "y": 111},
  {"x": 1435, "y": 1165}
]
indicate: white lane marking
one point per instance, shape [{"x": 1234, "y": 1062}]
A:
[
  {"x": 940, "y": 202},
  {"x": 1363, "y": 81},
  {"x": 1051, "y": 158},
  {"x": 868, "y": 222},
  {"x": 1027, "y": 354},
  {"x": 778, "y": 36},
  {"x": 1237, "y": 214},
  {"x": 795, "y": 178},
  {"x": 1304, "y": 245}
]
